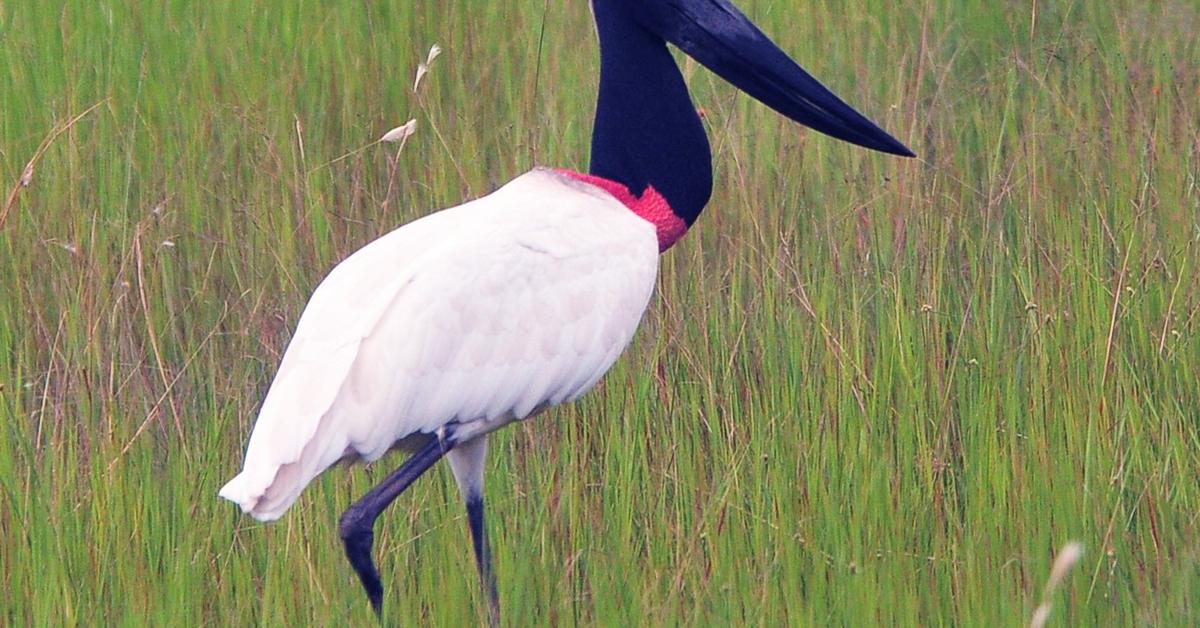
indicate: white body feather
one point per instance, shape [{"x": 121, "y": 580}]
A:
[{"x": 480, "y": 314}]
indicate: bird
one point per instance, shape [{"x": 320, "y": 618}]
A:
[{"x": 452, "y": 326}]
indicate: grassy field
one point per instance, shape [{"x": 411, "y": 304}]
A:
[{"x": 869, "y": 390}]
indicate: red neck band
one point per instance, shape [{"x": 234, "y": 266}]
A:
[{"x": 650, "y": 206}]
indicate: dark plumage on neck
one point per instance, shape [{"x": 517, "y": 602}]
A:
[{"x": 647, "y": 132}]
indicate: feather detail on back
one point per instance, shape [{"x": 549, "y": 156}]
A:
[{"x": 476, "y": 315}]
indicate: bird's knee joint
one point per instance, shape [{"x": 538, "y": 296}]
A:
[{"x": 353, "y": 524}]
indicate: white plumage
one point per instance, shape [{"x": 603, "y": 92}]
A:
[{"x": 480, "y": 314}]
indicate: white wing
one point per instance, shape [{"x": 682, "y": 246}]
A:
[{"x": 479, "y": 314}]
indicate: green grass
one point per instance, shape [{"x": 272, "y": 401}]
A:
[{"x": 869, "y": 390}]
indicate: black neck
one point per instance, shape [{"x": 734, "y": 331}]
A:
[{"x": 647, "y": 131}]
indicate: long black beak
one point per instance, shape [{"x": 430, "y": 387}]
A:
[{"x": 718, "y": 35}]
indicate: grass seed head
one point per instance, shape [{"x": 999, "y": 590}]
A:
[
  {"x": 1063, "y": 562},
  {"x": 423, "y": 68},
  {"x": 400, "y": 133},
  {"x": 1066, "y": 559}
]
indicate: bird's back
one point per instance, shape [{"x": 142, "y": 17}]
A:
[{"x": 476, "y": 315}]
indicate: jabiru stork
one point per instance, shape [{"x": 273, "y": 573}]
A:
[{"x": 468, "y": 319}]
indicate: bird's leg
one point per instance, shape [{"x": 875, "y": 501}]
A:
[
  {"x": 483, "y": 556},
  {"x": 357, "y": 523}
]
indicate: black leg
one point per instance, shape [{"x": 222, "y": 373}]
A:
[
  {"x": 357, "y": 523},
  {"x": 483, "y": 557}
]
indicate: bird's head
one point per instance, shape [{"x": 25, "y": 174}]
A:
[{"x": 718, "y": 35}]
